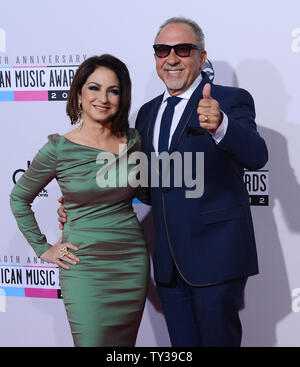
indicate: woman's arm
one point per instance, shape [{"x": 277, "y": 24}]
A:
[{"x": 41, "y": 171}]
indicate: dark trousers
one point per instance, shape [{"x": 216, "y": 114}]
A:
[{"x": 203, "y": 316}]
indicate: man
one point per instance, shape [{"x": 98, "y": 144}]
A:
[{"x": 204, "y": 244}]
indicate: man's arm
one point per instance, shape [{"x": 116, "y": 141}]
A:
[{"x": 241, "y": 139}]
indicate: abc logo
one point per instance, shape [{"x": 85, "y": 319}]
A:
[{"x": 18, "y": 172}]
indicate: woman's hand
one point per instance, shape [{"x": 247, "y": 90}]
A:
[
  {"x": 58, "y": 254},
  {"x": 62, "y": 216}
]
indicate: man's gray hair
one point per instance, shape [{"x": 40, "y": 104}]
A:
[{"x": 198, "y": 31}]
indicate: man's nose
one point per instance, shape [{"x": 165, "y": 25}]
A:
[{"x": 173, "y": 59}]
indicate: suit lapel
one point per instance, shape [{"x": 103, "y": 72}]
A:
[
  {"x": 150, "y": 128},
  {"x": 190, "y": 109}
]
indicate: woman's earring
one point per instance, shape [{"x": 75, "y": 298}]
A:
[{"x": 79, "y": 120}]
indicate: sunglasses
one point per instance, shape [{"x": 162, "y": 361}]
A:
[{"x": 181, "y": 50}]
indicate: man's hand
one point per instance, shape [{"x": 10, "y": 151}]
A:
[
  {"x": 210, "y": 116},
  {"x": 62, "y": 216}
]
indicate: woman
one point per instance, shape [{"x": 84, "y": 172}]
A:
[{"x": 103, "y": 259}]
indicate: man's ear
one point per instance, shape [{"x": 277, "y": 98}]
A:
[{"x": 203, "y": 58}]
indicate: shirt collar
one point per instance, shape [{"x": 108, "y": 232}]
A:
[{"x": 187, "y": 93}]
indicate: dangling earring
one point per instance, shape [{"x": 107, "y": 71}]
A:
[{"x": 79, "y": 120}]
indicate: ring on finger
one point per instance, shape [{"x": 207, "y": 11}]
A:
[
  {"x": 63, "y": 251},
  {"x": 205, "y": 118}
]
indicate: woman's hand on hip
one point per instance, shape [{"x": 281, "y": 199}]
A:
[{"x": 59, "y": 254}]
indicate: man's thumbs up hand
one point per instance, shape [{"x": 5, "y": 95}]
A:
[
  {"x": 210, "y": 116},
  {"x": 206, "y": 91}
]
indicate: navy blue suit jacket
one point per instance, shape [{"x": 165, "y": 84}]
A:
[{"x": 210, "y": 239}]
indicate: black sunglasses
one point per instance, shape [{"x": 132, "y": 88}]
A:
[{"x": 181, "y": 50}]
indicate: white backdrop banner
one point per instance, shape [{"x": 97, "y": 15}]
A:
[{"x": 252, "y": 44}]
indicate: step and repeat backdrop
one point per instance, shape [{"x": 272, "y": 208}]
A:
[{"x": 252, "y": 44}]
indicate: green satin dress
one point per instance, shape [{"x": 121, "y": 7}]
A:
[{"x": 104, "y": 294}]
